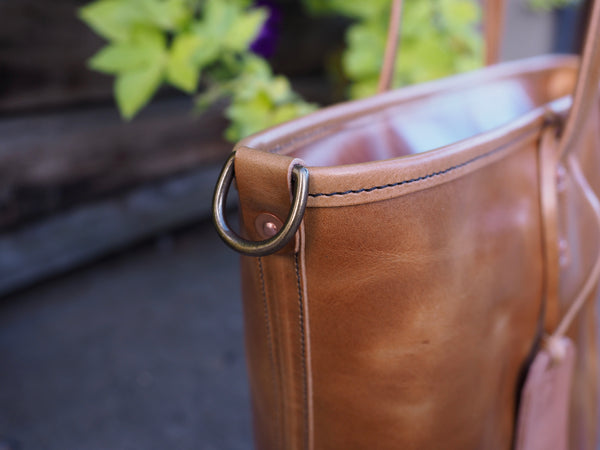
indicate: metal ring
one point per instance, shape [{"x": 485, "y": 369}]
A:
[{"x": 275, "y": 243}]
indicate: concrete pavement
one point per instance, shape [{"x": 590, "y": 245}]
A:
[{"x": 143, "y": 350}]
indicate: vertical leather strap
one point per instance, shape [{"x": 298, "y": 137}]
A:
[
  {"x": 592, "y": 278},
  {"x": 549, "y": 208},
  {"x": 264, "y": 185},
  {"x": 586, "y": 90},
  {"x": 391, "y": 48},
  {"x": 493, "y": 27}
]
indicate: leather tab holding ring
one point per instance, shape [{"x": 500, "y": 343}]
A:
[{"x": 300, "y": 177}]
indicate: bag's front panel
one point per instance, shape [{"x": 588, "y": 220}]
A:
[{"x": 423, "y": 311}]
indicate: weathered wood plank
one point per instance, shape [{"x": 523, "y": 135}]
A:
[
  {"x": 43, "y": 52},
  {"x": 75, "y": 237},
  {"x": 61, "y": 159}
]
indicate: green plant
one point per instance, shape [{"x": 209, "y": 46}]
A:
[
  {"x": 438, "y": 38},
  {"x": 180, "y": 42},
  {"x": 202, "y": 47}
]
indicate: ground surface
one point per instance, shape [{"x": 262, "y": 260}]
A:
[{"x": 141, "y": 351}]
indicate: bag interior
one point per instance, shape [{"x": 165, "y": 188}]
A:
[{"x": 426, "y": 122}]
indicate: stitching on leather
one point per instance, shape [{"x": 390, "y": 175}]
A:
[
  {"x": 271, "y": 353},
  {"x": 302, "y": 352},
  {"x": 412, "y": 180}
]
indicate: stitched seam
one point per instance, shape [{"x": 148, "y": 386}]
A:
[
  {"x": 271, "y": 353},
  {"x": 412, "y": 180},
  {"x": 303, "y": 353}
]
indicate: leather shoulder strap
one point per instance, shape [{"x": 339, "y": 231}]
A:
[
  {"x": 586, "y": 89},
  {"x": 391, "y": 48},
  {"x": 493, "y": 29}
]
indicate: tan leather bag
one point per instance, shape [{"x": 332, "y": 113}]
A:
[{"x": 411, "y": 255}]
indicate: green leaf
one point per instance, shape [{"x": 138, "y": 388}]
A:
[
  {"x": 248, "y": 116},
  {"x": 182, "y": 72},
  {"x": 244, "y": 29},
  {"x": 133, "y": 90},
  {"x": 291, "y": 111},
  {"x": 145, "y": 48},
  {"x": 261, "y": 100},
  {"x": 145, "y": 35},
  {"x": 190, "y": 52},
  {"x": 218, "y": 17},
  {"x": 116, "y": 19},
  {"x": 111, "y": 19},
  {"x": 119, "y": 58},
  {"x": 227, "y": 23},
  {"x": 279, "y": 89},
  {"x": 459, "y": 13},
  {"x": 167, "y": 14},
  {"x": 209, "y": 96},
  {"x": 366, "y": 44},
  {"x": 418, "y": 19},
  {"x": 256, "y": 67},
  {"x": 364, "y": 88}
]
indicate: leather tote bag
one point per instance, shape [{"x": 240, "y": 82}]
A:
[{"x": 420, "y": 267}]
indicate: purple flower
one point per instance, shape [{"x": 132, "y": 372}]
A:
[{"x": 265, "y": 43}]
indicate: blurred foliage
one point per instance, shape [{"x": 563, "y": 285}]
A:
[
  {"x": 438, "y": 38},
  {"x": 190, "y": 44},
  {"x": 180, "y": 42}
]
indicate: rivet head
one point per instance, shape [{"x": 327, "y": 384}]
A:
[{"x": 267, "y": 225}]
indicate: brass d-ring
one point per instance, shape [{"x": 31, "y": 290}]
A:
[{"x": 275, "y": 243}]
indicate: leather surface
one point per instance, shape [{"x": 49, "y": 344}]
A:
[
  {"x": 408, "y": 310},
  {"x": 493, "y": 28}
]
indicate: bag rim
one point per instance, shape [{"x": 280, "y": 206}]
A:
[{"x": 365, "y": 182}]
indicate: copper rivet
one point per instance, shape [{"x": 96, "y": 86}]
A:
[
  {"x": 267, "y": 225},
  {"x": 270, "y": 229}
]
